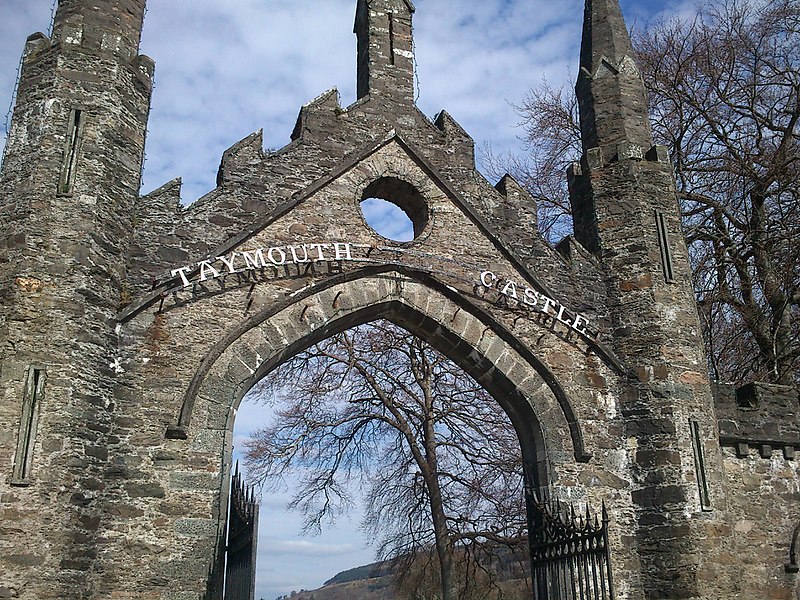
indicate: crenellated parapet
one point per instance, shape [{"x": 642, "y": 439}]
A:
[{"x": 759, "y": 419}]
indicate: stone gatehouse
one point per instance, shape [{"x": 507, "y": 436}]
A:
[{"x": 133, "y": 326}]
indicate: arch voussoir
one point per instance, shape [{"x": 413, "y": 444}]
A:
[{"x": 467, "y": 336}]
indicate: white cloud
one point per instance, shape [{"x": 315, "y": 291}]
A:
[{"x": 308, "y": 548}]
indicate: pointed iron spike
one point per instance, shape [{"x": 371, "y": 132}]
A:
[{"x": 236, "y": 474}]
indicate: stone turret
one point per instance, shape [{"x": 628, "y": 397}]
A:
[
  {"x": 615, "y": 125},
  {"x": 626, "y": 212},
  {"x": 68, "y": 192},
  {"x": 385, "y": 49}
]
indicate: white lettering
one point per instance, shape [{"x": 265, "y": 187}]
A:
[
  {"x": 228, "y": 261},
  {"x": 182, "y": 272},
  {"x": 319, "y": 247},
  {"x": 530, "y": 297},
  {"x": 342, "y": 252},
  {"x": 510, "y": 290},
  {"x": 295, "y": 258},
  {"x": 205, "y": 267},
  {"x": 271, "y": 257},
  {"x": 560, "y": 315},
  {"x": 254, "y": 259},
  {"x": 547, "y": 303},
  {"x": 260, "y": 258},
  {"x": 580, "y": 320}
]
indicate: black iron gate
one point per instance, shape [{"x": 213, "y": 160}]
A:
[
  {"x": 569, "y": 554},
  {"x": 240, "y": 555}
]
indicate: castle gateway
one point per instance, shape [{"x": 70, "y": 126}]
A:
[{"x": 132, "y": 327}]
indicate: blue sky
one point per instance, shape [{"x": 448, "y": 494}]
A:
[{"x": 226, "y": 69}]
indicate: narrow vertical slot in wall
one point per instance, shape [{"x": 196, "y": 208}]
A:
[
  {"x": 391, "y": 38},
  {"x": 700, "y": 465},
  {"x": 31, "y": 402},
  {"x": 69, "y": 166},
  {"x": 663, "y": 244}
]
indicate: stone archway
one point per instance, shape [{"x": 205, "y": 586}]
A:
[
  {"x": 518, "y": 381},
  {"x": 128, "y": 316},
  {"x": 528, "y": 391}
]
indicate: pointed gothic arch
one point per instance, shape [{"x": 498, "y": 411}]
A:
[{"x": 527, "y": 390}]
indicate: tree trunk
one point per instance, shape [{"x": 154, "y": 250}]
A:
[{"x": 444, "y": 544}]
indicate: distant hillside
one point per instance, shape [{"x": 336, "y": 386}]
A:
[
  {"x": 368, "y": 582},
  {"x": 376, "y": 582},
  {"x": 373, "y": 571},
  {"x": 364, "y": 589}
]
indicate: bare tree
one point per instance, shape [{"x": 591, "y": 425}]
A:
[
  {"x": 378, "y": 409},
  {"x": 725, "y": 98},
  {"x": 552, "y": 142}
]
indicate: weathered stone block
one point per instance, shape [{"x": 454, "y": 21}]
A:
[
  {"x": 194, "y": 481},
  {"x": 144, "y": 490},
  {"x": 196, "y": 527},
  {"x": 181, "y": 596}
]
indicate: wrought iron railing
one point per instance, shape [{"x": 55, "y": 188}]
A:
[
  {"x": 570, "y": 554},
  {"x": 240, "y": 564}
]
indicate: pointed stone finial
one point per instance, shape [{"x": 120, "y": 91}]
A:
[
  {"x": 112, "y": 26},
  {"x": 604, "y": 34},
  {"x": 385, "y": 49},
  {"x": 610, "y": 90}
]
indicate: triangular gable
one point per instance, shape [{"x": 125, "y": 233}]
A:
[
  {"x": 353, "y": 160},
  {"x": 430, "y": 172}
]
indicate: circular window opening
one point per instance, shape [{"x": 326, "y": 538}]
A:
[{"x": 394, "y": 209}]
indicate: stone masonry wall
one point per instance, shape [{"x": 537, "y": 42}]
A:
[
  {"x": 146, "y": 322},
  {"x": 759, "y": 428}
]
